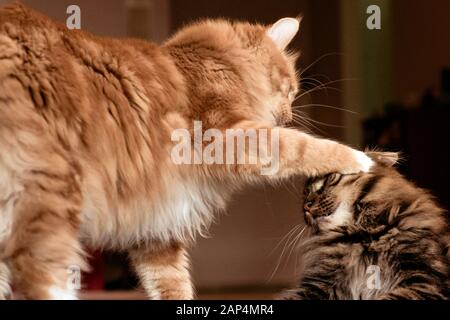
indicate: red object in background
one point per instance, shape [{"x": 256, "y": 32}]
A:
[{"x": 95, "y": 279}]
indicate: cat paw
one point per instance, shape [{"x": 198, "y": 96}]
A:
[
  {"x": 360, "y": 163},
  {"x": 365, "y": 163}
]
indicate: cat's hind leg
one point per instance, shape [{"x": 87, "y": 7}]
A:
[
  {"x": 44, "y": 250},
  {"x": 40, "y": 194},
  {"x": 41, "y": 247},
  {"x": 163, "y": 272}
]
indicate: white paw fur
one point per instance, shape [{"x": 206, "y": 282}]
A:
[
  {"x": 5, "y": 278},
  {"x": 56, "y": 293},
  {"x": 364, "y": 161}
]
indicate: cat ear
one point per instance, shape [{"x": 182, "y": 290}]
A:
[
  {"x": 387, "y": 159},
  {"x": 283, "y": 31}
]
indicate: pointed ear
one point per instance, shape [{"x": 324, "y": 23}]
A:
[
  {"x": 387, "y": 159},
  {"x": 283, "y": 31}
]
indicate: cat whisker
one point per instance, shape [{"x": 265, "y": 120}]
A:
[
  {"x": 324, "y": 85},
  {"x": 286, "y": 238},
  {"x": 287, "y": 235},
  {"x": 294, "y": 243},
  {"x": 326, "y": 124},
  {"x": 301, "y": 119},
  {"x": 297, "y": 252},
  {"x": 325, "y": 88},
  {"x": 310, "y": 81},
  {"x": 321, "y": 123},
  {"x": 316, "y": 82},
  {"x": 318, "y": 75},
  {"x": 318, "y": 60},
  {"x": 323, "y": 106},
  {"x": 290, "y": 245}
]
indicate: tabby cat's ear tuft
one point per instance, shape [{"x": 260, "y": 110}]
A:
[
  {"x": 386, "y": 159},
  {"x": 283, "y": 31}
]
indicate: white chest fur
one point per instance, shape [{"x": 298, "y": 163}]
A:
[{"x": 178, "y": 213}]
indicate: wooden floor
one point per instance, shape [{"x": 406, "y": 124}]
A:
[{"x": 138, "y": 295}]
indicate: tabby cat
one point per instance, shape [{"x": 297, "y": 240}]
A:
[
  {"x": 374, "y": 236},
  {"x": 86, "y": 129}
]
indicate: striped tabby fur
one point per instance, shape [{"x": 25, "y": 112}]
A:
[{"x": 374, "y": 236}]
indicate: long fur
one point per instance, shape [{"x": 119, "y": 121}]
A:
[
  {"x": 395, "y": 232},
  {"x": 85, "y": 140}
]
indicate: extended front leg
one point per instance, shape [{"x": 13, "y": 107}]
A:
[
  {"x": 163, "y": 272},
  {"x": 311, "y": 156},
  {"x": 283, "y": 152}
]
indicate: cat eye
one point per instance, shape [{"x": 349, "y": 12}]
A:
[{"x": 333, "y": 179}]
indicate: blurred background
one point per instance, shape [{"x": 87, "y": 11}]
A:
[{"x": 388, "y": 88}]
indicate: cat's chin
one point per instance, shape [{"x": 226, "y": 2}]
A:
[
  {"x": 313, "y": 220},
  {"x": 314, "y": 223},
  {"x": 309, "y": 219},
  {"x": 322, "y": 224}
]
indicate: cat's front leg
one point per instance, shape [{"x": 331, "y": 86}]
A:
[
  {"x": 311, "y": 156},
  {"x": 286, "y": 152},
  {"x": 163, "y": 271}
]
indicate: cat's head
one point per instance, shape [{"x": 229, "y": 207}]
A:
[
  {"x": 365, "y": 202},
  {"x": 281, "y": 68},
  {"x": 242, "y": 64}
]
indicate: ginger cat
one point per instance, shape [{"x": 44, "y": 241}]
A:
[{"x": 86, "y": 129}]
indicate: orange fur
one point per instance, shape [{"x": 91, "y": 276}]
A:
[{"x": 85, "y": 140}]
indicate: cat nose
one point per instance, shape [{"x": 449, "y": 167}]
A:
[
  {"x": 308, "y": 205},
  {"x": 309, "y": 202}
]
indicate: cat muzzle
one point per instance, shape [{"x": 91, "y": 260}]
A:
[{"x": 313, "y": 212}]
